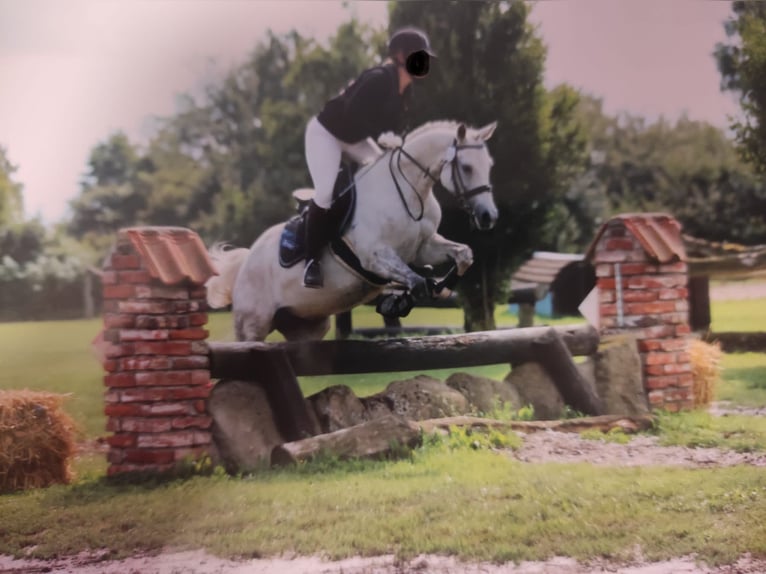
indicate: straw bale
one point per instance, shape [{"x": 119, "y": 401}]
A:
[
  {"x": 37, "y": 440},
  {"x": 706, "y": 370}
]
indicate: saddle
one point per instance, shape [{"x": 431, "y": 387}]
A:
[{"x": 292, "y": 244}]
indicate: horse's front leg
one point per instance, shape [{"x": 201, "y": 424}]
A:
[
  {"x": 385, "y": 262},
  {"x": 437, "y": 249}
]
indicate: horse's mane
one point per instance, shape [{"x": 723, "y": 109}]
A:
[{"x": 434, "y": 125}]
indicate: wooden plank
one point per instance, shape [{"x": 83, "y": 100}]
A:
[{"x": 243, "y": 360}]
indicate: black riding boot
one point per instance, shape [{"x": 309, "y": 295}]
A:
[{"x": 317, "y": 235}]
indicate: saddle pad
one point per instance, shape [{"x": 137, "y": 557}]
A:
[{"x": 292, "y": 246}]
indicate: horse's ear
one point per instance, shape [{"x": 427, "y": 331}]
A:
[
  {"x": 486, "y": 132},
  {"x": 461, "y": 132}
]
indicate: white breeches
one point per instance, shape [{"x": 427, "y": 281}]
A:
[{"x": 323, "y": 155}]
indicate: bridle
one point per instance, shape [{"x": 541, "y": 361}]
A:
[{"x": 461, "y": 192}]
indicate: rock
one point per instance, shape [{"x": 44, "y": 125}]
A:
[
  {"x": 536, "y": 388},
  {"x": 485, "y": 395},
  {"x": 244, "y": 430},
  {"x": 380, "y": 438},
  {"x": 337, "y": 407},
  {"x": 420, "y": 398},
  {"x": 619, "y": 381}
]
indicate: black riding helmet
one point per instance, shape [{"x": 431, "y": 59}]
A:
[{"x": 414, "y": 43}]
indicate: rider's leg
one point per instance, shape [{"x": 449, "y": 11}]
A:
[
  {"x": 362, "y": 152},
  {"x": 323, "y": 153}
]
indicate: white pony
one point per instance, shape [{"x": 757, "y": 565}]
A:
[{"x": 394, "y": 226}]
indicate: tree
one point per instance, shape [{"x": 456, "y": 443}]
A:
[
  {"x": 742, "y": 64},
  {"x": 490, "y": 67},
  {"x": 11, "y": 205}
]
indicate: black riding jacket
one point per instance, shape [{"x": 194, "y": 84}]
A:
[{"x": 367, "y": 107}]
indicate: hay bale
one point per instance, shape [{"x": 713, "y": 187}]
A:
[
  {"x": 706, "y": 370},
  {"x": 37, "y": 440}
]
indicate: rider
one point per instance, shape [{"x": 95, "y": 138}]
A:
[{"x": 370, "y": 108}]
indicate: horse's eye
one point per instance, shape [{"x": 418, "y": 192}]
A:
[{"x": 467, "y": 169}]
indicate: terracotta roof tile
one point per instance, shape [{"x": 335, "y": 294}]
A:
[
  {"x": 542, "y": 268},
  {"x": 658, "y": 233},
  {"x": 172, "y": 254}
]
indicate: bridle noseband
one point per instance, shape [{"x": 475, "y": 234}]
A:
[{"x": 461, "y": 192}]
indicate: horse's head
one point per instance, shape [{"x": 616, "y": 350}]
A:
[{"x": 465, "y": 174}]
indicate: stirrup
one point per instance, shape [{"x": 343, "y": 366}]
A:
[{"x": 312, "y": 275}]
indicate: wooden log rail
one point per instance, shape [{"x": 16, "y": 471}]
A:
[{"x": 243, "y": 360}]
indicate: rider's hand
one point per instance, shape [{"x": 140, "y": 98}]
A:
[{"x": 389, "y": 140}]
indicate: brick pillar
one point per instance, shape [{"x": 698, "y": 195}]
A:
[
  {"x": 156, "y": 356},
  {"x": 641, "y": 275}
]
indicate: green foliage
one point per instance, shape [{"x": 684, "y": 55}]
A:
[
  {"x": 459, "y": 438},
  {"x": 742, "y": 64},
  {"x": 615, "y": 435},
  {"x": 11, "y": 201},
  {"x": 687, "y": 168}
]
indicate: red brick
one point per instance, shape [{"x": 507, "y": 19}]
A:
[
  {"x": 655, "y": 332},
  {"x": 683, "y": 357},
  {"x": 115, "y": 456},
  {"x": 189, "y": 334},
  {"x": 115, "y": 351},
  {"x": 200, "y": 377},
  {"x": 682, "y": 305},
  {"x": 639, "y": 296},
  {"x": 115, "y": 321},
  {"x": 146, "y": 307},
  {"x": 637, "y": 269},
  {"x": 650, "y": 308},
  {"x": 111, "y": 365},
  {"x": 121, "y": 440},
  {"x": 192, "y": 422},
  {"x": 659, "y": 358},
  {"x": 164, "y": 378},
  {"x": 656, "y": 398},
  {"x": 654, "y": 370},
  {"x": 685, "y": 380},
  {"x": 606, "y": 296},
  {"x": 606, "y": 283},
  {"x": 680, "y": 293},
  {"x": 135, "y": 277},
  {"x": 119, "y": 291},
  {"x": 607, "y": 309},
  {"x": 174, "y": 409},
  {"x": 677, "y": 368},
  {"x": 604, "y": 270},
  {"x": 146, "y": 425},
  {"x": 674, "y": 345},
  {"x": 679, "y": 267},
  {"x": 198, "y": 319},
  {"x": 113, "y": 425},
  {"x": 661, "y": 382},
  {"x": 200, "y": 406},
  {"x": 120, "y": 380},
  {"x": 161, "y": 292},
  {"x": 145, "y": 363},
  {"x": 111, "y": 335},
  {"x": 199, "y": 348},
  {"x": 111, "y": 396},
  {"x": 175, "y": 348},
  {"x": 144, "y": 334},
  {"x": 122, "y": 262},
  {"x": 189, "y": 306},
  {"x": 162, "y": 321},
  {"x": 155, "y": 394},
  {"x": 122, "y": 410},
  {"x": 649, "y": 345},
  {"x": 198, "y": 293},
  {"x": 149, "y": 456},
  {"x": 675, "y": 318},
  {"x": 169, "y": 439},
  {"x": 109, "y": 278},
  {"x": 191, "y": 362},
  {"x": 682, "y": 329}
]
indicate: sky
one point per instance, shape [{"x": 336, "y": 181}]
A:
[{"x": 74, "y": 71}]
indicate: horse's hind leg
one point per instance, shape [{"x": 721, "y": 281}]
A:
[{"x": 251, "y": 326}]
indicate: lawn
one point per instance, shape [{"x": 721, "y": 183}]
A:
[{"x": 475, "y": 504}]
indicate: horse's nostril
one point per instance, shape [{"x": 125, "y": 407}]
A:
[{"x": 486, "y": 218}]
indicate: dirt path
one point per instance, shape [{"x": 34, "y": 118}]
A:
[{"x": 199, "y": 562}]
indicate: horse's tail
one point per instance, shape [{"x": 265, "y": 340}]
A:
[{"x": 228, "y": 263}]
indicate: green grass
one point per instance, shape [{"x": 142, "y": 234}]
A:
[
  {"x": 744, "y": 315},
  {"x": 701, "y": 429},
  {"x": 744, "y": 379},
  {"x": 475, "y": 504}
]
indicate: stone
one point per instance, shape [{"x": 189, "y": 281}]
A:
[
  {"x": 618, "y": 374},
  {"x": 485, "y": 395},
  {"x": 421, "y": 398},
  {"x": 244, "y": 430},
  {"x": 337, "y": 407},
  {"x": 536, "y": 388}
]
